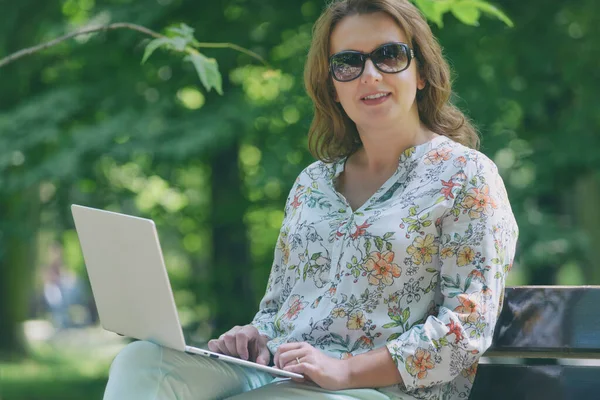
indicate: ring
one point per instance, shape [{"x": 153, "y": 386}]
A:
[{"x": 297, "y": 360}]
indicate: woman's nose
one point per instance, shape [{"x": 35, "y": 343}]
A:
[{"x": 370, "y": 73}]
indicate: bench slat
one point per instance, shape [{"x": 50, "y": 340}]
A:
[
  {"x": 549, "y": 321},
  {"x": 549, "y": 382}
]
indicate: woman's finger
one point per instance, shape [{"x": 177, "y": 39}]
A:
[
  {"x": 284, "y": 348},
  {"x": 241, "y": 344},
  {"x": 228, "y": 339},
  {"x": 304, "y": 369},
  {"x": 292, "y": 357},
  {"x": 213, "y": 345}
]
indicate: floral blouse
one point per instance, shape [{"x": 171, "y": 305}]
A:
[{"x": 419, "y": 268}]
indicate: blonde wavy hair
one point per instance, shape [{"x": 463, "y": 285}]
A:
[{"x": 333, "y": 135}]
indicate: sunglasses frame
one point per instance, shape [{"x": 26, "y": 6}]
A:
[{"x": 365, "y": 56}]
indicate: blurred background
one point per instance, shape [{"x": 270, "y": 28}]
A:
[{"x": 84, "y": 122}]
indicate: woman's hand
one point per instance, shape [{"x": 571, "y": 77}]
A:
[
  {"x": 244, "y": 342},
  {"x": 302, "y": 358}
]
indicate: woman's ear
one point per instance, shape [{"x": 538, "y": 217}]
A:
[{"x": 421, "y": 82}]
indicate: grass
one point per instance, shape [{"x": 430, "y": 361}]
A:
[{"x": 57, "y": 371}]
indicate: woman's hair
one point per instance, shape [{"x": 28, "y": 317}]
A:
[{"x": 333, "y": 134}]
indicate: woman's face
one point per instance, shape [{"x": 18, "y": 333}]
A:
[{"x": 365, "y": 33}]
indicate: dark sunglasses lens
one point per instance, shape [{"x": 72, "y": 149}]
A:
[
  {"x": 391, "y": 57},
  {"x": 346, "y": 66}
]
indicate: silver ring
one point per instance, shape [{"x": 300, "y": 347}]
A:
[{"x": 297, "y": 360}]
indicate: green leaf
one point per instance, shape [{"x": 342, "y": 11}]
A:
[
  {"x": 467, "y": 13},
  {"x": 315, "y": 256},
  {"x": 391, "y": 325},
  {"x": 356, "y": 273},
  {"x": 448, "y": 280},
  {"x": 379, "y": 243},
  {"x": 354, "y": 260},
  {"x": 179, "y": 43},
  {"x": 388, "y": 235},
  {"x": 368, "y": 246},
  {"x": 292, "y": 267},
  {"x": 431, "y": 270},
  {"x": 468, "y": 282},
  {"x": 153, "y": 45},
  {"x": 405, "y": 314},
  {"x": 208, "y": 71},
  {"x": 394, "y": 336},
  {"x": 388, "y": 246},
  {"x": 433, "y": 10},
  {"x": 495, "y": 12},
  {"x": 426, "y": 223},
  {"x": 412, "y": 211},
  {"x": 182, "y": 30}
]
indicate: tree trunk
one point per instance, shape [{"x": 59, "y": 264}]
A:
[
  {"x": 20, "y": 219},
  {"x": 229, "y": 274}
]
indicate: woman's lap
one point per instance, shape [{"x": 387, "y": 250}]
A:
[
  {"x": 287, "y": 389},
  {"x": 143, "y": 370}
]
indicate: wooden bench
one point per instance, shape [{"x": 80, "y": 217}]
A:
[{"x": 546, "y": 346}]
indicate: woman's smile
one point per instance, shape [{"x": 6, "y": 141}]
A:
[{"x": 375, "y": 98}]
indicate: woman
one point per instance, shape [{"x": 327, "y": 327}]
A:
[{"x": 390, "y": 266}]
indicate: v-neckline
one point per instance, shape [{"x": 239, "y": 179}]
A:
[{"x": 407, "y": 155}]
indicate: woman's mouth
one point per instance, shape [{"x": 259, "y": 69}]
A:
[{"x": 375, "y": 98}]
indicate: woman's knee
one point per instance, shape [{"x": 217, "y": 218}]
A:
[{"x": 138, "y": 354}]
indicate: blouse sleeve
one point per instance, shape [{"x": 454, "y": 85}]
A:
[
  {"x": 269, "y": 306},
  {"x": 476, "y": 250}
]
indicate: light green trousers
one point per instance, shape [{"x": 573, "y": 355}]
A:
[{"x": 145, "y": 371}]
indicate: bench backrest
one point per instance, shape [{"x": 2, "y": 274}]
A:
[{"x": 537, "y": 326}]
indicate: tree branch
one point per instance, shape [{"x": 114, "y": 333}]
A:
[
  {"x": 119, "y": 25},
  {"x": 231, "y": 46}
]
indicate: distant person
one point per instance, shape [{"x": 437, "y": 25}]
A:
[
  {"x": 390, "y": 266},
  {"x": 62, "y": 291}
]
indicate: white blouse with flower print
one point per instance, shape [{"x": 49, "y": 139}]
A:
[{"x": 419, "y": 268}]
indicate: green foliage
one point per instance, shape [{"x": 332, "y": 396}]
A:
[
  {"x": 181, "y": 39},
  {"x": 466, "y": 11},
  {"x": 208, "y": 71}
]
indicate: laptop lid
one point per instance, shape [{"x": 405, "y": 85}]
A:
[{"x": 128, "y": 277}]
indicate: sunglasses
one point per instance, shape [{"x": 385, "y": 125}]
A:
[{"x": 389, "y": 58}]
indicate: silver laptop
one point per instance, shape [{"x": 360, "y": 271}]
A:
[{"x": 130, "y": 283}]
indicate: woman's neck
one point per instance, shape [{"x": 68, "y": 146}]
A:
[{"x": 382, "y": 147}]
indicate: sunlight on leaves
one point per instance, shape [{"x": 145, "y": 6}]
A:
[{"x": 191, "y": 98}]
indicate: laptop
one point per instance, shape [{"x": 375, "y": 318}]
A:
[{"x": 130, "y": 284}]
